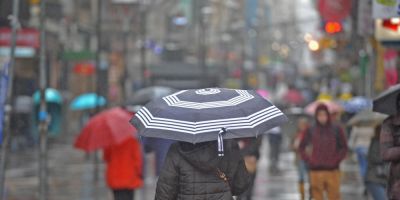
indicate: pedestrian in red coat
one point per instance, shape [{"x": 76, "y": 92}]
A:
[
  {"x": 124, "y": 168},
  {"x": 323, "y": 147}
]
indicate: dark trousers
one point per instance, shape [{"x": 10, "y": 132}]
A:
[
  {"x": 124, "y": 194},
  {"x": 275, "y": 141}
]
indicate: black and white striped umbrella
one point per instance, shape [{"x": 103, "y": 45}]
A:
[{"x": 208, "y": 114}]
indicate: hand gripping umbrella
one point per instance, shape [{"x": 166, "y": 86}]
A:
[{"x": 208, "y": 114}]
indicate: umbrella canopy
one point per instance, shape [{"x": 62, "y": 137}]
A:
[
  {"x": 87, "y": 101},
  {"x": 332, "y": 106},
  {"x": 367, "y": 118},
  {"x": 263, "y": 93},
  {"x": 107, "y": 128},
  {"x": 52, "y": 96},
  {"x": 294, "y": 97},
  {"x": 387, "y": 101},
  {"x": 208, "y": 114},
  {"x": 357, "y": 104},
  {"x": 145, "y": 95}
]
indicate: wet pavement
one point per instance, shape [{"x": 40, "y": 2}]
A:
[
  {"x": 71, "y": 177},
  {"x": 283, "y": 186}
]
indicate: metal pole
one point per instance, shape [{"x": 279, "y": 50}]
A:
[
  {"x": 202, "y": 47},
  {"x": 8, "y": 108},
  {"x": 43, "y": 117},
  {"x": 143, "y": 32},
  {"x": 98, "y": 90}
]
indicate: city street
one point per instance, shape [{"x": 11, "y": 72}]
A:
[
  {"x": 71, "y": 177},
  {"x": 94, "y": 92}
]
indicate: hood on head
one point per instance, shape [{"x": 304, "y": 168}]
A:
[
  {"x": 324, "y": 108},
  {"x": 203, "y": 156}
]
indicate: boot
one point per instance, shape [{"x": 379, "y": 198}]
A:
[{"x": 302, "y": 191}]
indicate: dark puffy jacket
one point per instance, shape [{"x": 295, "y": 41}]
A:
[
  {"x": 190, "y": 172},
  {"x": 376, "y": 170},
  {"x": 390, "y": 152}
]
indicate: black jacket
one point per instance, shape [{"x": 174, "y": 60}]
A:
[{"x": 190, "y": 172}]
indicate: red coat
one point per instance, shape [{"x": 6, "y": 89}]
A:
[{"x": 124, "y": 165}]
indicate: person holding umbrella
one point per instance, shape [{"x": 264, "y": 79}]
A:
[
  {"x": 389, "y": 103},
  {"x": 110, "y": 130},
  {"x": 323, "y": 147},
  {"x": 206, "y": 162}
]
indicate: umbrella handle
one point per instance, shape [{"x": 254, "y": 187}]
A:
[{"x": 221, "y": 142}]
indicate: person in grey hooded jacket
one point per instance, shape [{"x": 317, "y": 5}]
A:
[{"x": 196, "y": 172}]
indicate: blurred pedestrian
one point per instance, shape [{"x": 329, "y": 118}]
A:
[
  {"x": 195, "y": 171},
  {"x": 160, "y": 147},
  {"x": 359, "y": 141},
  {"x": 250, "y": 149},
  {"x": 302, "y": 167},
  {"x": 275, "y": 143},
  {"x": 377, "y": 170},
  {"x": 124, "y": 168},
  {"x": 323, "y": 147},
  {"x": 390, "y": 152}
]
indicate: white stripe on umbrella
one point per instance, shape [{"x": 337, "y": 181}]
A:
[
  {"x": 178, "y": 129},
  {"x": 207, "y": 122},
  {"x": 251, "y": 121},
  {"x": 173, "y": 100}
]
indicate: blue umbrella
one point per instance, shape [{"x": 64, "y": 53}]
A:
[
  {"x": 208, "y": 114},
  {"x": 357, "y": 104},
  {"x": 87, "y": 101},
  {"x": 52, "y": 96}
]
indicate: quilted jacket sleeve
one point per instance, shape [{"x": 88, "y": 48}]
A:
[
  {"x": 168, "y": 182},
  {"x": 389, "y": 151}
]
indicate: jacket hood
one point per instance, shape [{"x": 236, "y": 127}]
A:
[
  {"x": 324, "y": 108},
  {"x": 202, "y": 156}
]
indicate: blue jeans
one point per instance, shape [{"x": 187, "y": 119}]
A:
[
  {"x": 377, "y": 191},
  {"x": 362, "y": 160},
  {"x": 302, "y": 170}
]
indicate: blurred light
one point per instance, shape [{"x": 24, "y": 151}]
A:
[
  {"x": 313, "y": 45},
  {"x": 308, "y": 37},
  {"x": 180, "y": 21},
  {"x": 207, "y": 10},
  {"x": 395, "y": 20},
  {"x": 158, "y": 50},
  {"x": 333, "y": 27},
  {"x": 226, "y": 37},
  {"x": 275, "y": 46},
  {"x": 284, "y": 51}
]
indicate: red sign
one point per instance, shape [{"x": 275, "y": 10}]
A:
[
  {"x": 27, "y": 37},
  {"x": 84, "y": 68},
  {"x": 334, "y": 10}
]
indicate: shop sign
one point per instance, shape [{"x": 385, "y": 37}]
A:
[
  {"x": 385, "y": 9},
  {"x": 334, "y": 10},
  {"x": 386, "y": 30},
  {"x": 27, "y": 37}
]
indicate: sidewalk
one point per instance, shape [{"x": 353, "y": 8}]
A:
[
  {"x": 284, "y": 185},
  {"x": 71, "y": 176}
]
